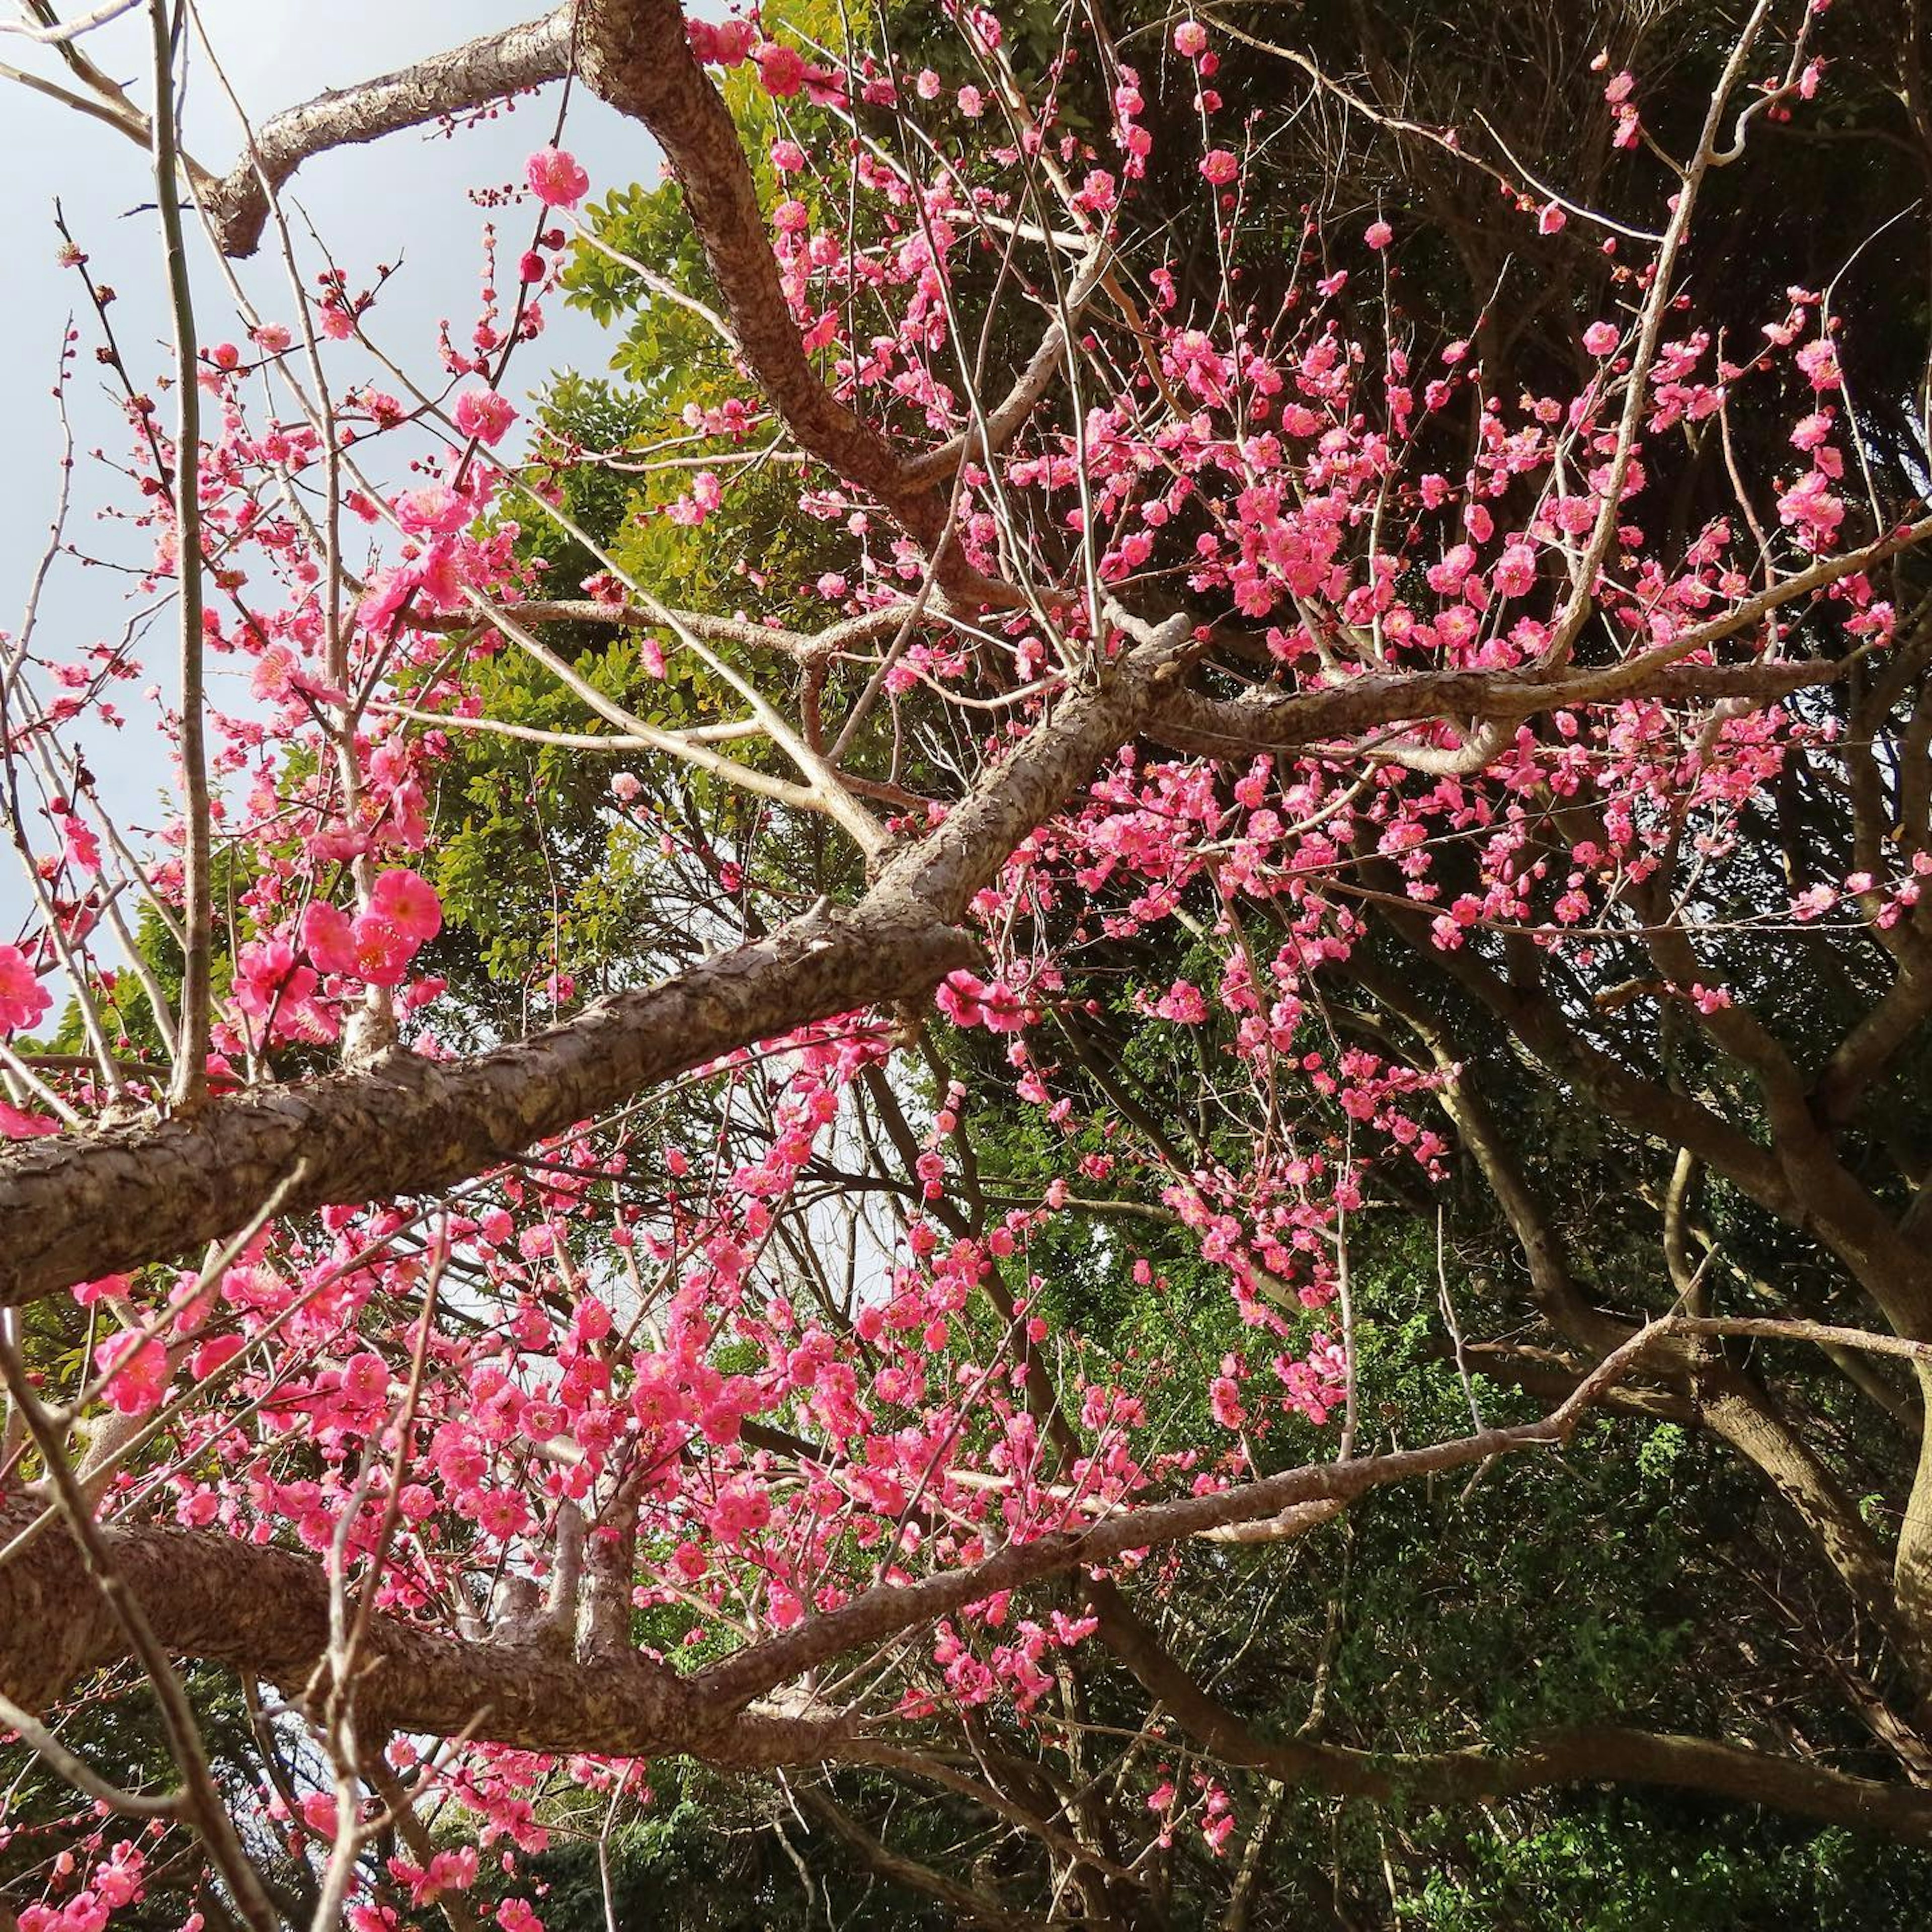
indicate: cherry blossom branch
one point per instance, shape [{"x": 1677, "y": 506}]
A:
[
  {"x": 1643, "y": 357},
  {"x": 880, "y": 1612},
  {"x": 406, "y": 1125},
  {"x": 1191, "y": 721},
  {"x": 268, "y": 1611}
]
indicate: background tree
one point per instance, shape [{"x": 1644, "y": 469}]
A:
[{"x": 867, "y": 1133}]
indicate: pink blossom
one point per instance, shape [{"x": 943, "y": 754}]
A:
[
  {"x": 483, "y": 414},
  {"x": 213, "y": 1354},
  {"x": 1601, "y": 338},
  {"x": 327, "y": 937},
  {"x": 555, "y": 179},
  {"x": 1810, "y": 508},
  {"x": 499, "y": 1514},
  {"x": 1220, "y": 166},
  {"x": 1812, "y": 430},
  {"x": 22, "y": 998},
  {"x": 435, "y": 510},
  {"x": 1515, "y": 573},
  {"x": 1224, "y": 1400},
  {"x": 1190, "y": 38},
  {"x": 1183, "y": 1002},
  {"x": 365, "y": 1379},
  {"x": 267, "y": 975},
  {"x": 1550, "y": 219},
  {"x": 780, "y": 69},
  {"x": 382, "y": 950},
  {"x": 80, "y": 844},
  {"x": 1378, "y": 235},
  {"x": 117, "y": 1880},
  {"x": 1820, "y": 362},
  {"x": 108, "y": 1288},
  {"x": 724, "y": 44},
  {"x": 139, "y": 1364},
  {"x": 318, "y": 1813},
  {"x": 409, "y": 902},
  {"x": 1099, "y": 192},
  {"x": 740, "y": 1510}
]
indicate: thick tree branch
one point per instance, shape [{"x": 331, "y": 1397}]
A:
[
  {"x": 74, "y": 1209},
  {"x": 266, "y": 1611},
  {"x": 1223, "y": 727},
  {"x": 477, "y": 72},
  {"x": 636, "y": 54}
]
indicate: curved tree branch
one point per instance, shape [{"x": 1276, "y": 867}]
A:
[
  {"x": 479, "y": 71},
  {"x": 1601, "y": 1754}
]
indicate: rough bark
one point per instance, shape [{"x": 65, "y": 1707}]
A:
[
  {"x": 485, "y": 69},
  {"x": 266, "y": 1612}
]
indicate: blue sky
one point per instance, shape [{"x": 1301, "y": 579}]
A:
[{"x": 406, "y": 198}]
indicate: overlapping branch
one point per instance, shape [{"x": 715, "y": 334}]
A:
[
  {"x": 73, "y": 1209},
  {"x": 1596, "y": 1754}
]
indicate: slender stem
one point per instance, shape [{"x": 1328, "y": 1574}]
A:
[{"x": 190, "y": 1080}]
